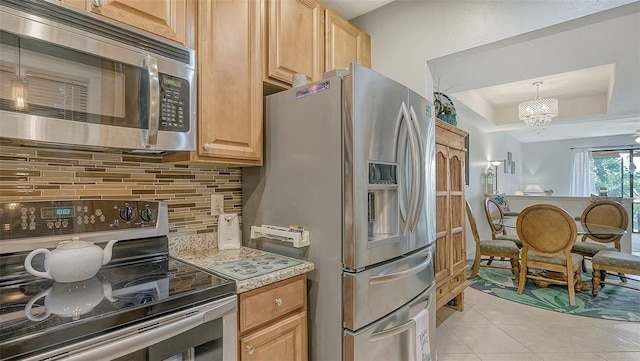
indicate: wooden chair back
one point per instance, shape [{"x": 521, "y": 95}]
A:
[
  {"x": 473, "y": 225},
  {"x": 547, "y": 230},
  {"x": 608, "y": 213},
  {"x": 493, "y": 212}
]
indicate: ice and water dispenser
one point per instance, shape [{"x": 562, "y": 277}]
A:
[{"x": 383, "y": 215}]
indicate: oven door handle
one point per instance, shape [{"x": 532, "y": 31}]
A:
[
  {"x": 138, "y": 337},
  {"x": 153, "y": 108},
  {"x": 402, "y": 274}
]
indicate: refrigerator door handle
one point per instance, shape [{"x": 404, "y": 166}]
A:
[
  {"x": 392, "y": 331},
  {"x": 420, "y": 171},
  {"x": 402, "y": 274},
  {"x": 405, "y": 212}
]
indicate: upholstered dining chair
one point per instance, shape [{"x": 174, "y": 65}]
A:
[
  {"x": 604, "y": 212},
  {"x": 494, "y": 213},
  {"x": 492, "y": 248},
  {"x": 548, "y": 233}
]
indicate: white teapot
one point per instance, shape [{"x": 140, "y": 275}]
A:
[
  {"x": 71, "y": 261},
  {"x": 70, "y": 299}
]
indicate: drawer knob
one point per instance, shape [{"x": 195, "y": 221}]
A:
[
  {"x": 279, "y": 302},
  {"x": 207, "y": 147},
  {"x": 99, "y": 3},
  {"x": 251, "y": 350}
]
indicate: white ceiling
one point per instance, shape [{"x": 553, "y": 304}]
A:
[
  {"x": 350, "y": 9},
  {"x": 590, "y": 64}
]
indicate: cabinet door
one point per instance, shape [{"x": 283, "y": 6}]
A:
[
  {"x": 344, "y": 43},
  {"x": 229, "y": 81},
  {"x": 443, "y": 245},
  {"x": 456, "y": 210},
  {"x": 166, "y": 18},
  {"x": 294, "y": 40},
  {"x": 283, "y": 341}
]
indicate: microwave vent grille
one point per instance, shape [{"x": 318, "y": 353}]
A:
[{"x": 90, "y": 23}]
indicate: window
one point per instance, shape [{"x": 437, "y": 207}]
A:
[{"x": 617, "y": 174}]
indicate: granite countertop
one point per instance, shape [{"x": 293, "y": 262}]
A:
[{"x": 202, "y": 251}]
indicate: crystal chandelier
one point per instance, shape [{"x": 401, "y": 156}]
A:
[{"x": 538, "y": 112}]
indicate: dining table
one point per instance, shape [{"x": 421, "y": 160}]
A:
[{"x": 583, "y": 228}]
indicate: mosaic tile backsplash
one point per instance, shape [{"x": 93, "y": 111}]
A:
[{"x": 30, "y": 173}]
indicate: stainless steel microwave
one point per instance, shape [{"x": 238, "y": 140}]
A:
[{"x": 73, "y": 78}]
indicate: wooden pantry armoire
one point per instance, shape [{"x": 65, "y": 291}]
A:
[{"x": 451, "y": 257}]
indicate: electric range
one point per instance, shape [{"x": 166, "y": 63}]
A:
[{"x": 140, "y": 283}]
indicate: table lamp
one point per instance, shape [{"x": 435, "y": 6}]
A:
[{"x": 533, "y": 189}]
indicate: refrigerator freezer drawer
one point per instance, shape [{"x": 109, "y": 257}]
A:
[
  {"x": 373, "y": 293},
  {"x": 391, "y": 338}
]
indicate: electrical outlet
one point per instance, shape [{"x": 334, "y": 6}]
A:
[{"x": 217, "y": 204}]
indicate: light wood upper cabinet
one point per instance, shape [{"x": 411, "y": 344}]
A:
[
  {"x": 171, "y": 19},
  {"x": 293, "y": 42},
  {"x": 229, "y": 84},
  {"x": 344, "y": 43},
  {"x": 303, "y": 36}
]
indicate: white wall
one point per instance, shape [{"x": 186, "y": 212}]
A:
[
  {"x": 549, "y": 163},
  {"x": 407, "y": 33},
  {"x": 482, "y": 148}
]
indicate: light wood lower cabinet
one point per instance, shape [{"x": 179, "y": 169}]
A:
[
  {"x": 281, "y": 341},
  {"x": 272, "y": 322},
  {"x": 451, "y": 257},
  {"x": 171, "y": 19}
]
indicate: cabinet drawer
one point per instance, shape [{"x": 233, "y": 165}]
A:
[
  {"x": 443, "y": 289},
  {"x": 458, "y": 279},
  {"x": 260, "y": 306}
]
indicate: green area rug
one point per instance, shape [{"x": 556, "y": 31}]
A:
[{"x": 612, "y": 303}]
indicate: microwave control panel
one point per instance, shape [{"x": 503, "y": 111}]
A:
[{"x": 174, "y": 104}]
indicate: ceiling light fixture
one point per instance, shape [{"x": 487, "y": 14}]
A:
[{"x": 538, "y": 112}]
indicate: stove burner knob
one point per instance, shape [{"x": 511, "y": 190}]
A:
[
  {"x": 147, "y": 214},
  {"x": 127, "y": 213}
]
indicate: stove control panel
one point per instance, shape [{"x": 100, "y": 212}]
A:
[{"x": 51, "y": 218}]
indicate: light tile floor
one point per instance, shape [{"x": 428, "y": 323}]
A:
[{"x": 494, "y": 329}]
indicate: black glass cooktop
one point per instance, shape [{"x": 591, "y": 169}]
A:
[{"x": 37, "y": 313}]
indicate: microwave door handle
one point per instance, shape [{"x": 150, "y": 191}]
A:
[
  {"x": 151, "y": 138},
  {"x": 420, "y": 171}
]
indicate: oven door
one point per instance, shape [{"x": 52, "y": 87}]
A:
[
  {"x": 206, "y": 332},
  {"x": 64, "y": 85}
]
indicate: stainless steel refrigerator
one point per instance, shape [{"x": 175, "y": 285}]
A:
[{"x": 351, "y": 159}]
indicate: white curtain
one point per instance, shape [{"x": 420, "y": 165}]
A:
[{"x": 582, "y": 178}]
